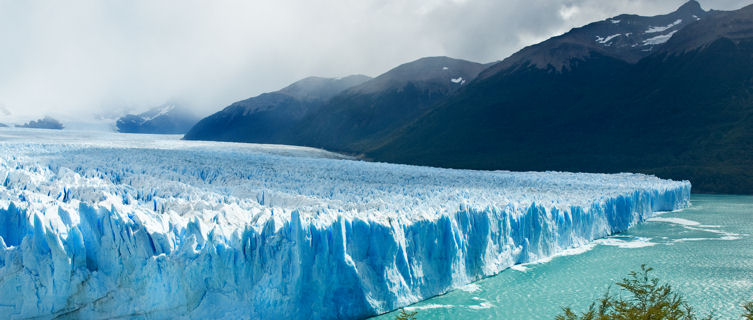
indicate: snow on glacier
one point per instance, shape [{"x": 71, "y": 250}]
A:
[{"x": 117, "y": 225}]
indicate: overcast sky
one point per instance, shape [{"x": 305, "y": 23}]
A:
[{"x": 78, "y": 58}]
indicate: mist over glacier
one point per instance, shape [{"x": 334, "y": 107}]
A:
[{"x": 115, "y": 225}]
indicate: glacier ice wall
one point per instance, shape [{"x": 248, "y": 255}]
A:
[{"x": 177, "y": 229}]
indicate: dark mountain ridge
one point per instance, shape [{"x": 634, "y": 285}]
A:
[
  {"x": 271, "y": 117},
  {"x": 683, "y": 112},
  {"x": 322, "y": 89},
  {"x": 367, "y": 113},
  {"x": 339, "y": 114},
  {"x": 625, "y": 37},
  {"x": 735, "y": 25},
  {"x": 670, "y": 95}
]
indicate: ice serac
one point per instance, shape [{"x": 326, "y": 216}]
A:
[{"x": 169, "y": 229}]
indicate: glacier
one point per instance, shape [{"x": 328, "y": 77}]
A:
[{"x": 138, "y": 226}]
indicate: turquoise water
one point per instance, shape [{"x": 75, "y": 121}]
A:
[{"x": 705, "y": 252}]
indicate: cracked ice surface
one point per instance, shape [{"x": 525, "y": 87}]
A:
[{"x": 112, "y": 225}]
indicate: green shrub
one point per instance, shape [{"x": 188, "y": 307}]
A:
[
  {"x": 406, "y": 315},
  {"x": 641, "y": 297},
  {"x": 748, "y": 315}
]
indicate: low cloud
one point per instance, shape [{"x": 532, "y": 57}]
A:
[{"x": 78, "y": 58}]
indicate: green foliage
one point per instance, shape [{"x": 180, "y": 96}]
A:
[
  {"x": 748, "y": 315},
  {"x": 641, "y": 297},
  {"x": 403, "y": 315}
]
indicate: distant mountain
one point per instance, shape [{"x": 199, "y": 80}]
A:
[
  {"x": 322, "y": 89},
  {"x": 683, "y": 111},
  {"x": 271, "y": 117},
  {"x": 340, "y": 114},
  {"x": 3, "y": 125},
  {"x": 166, "y": 119},
  {"x": 735, "y": 26},
  {"x": 670, "y": 95},
  {"x": 625, "y": 37},
  {"x": 44, "y": 123},
  {"x": 370, "y": 111}
]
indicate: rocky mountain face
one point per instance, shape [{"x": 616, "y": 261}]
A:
[
  {"x": 684, "y": 111},
  {"x": 367, "y": 113},
  {"x": 625, "y": 37}
]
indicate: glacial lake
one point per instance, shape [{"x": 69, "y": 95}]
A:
[{"x": 705, "y": 252}]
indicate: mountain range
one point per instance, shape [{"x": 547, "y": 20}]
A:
[
  {"x": 670, "y": 95},
  {"x": 44, "y": 123},
  {"x": 343, "y": 114},
  {"x": 272, "y": 117},
  {"x": 165, "y": 119}
]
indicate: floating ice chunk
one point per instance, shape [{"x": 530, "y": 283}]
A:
[
  {"x": 471, "y": 287},
  {"x": 485, "y": 304},
  {"x": 636, "y": 243},
  {"x": 430, "y": 306},
  {"x": 680, "y": 221},
  {"x": 519, "y": 267},
  {"x": 457, "y": 80}
]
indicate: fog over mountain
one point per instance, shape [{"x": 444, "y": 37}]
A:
[{"x": 85, "y": 58}]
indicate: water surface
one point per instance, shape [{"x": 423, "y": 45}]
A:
[{"x": 705, "y": 252}]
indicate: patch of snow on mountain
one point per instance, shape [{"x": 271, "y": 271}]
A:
[
  {"x": 162, "y": 111},
  {"x": 615, "y": 21},
  {"x": 445, "y": 68},
  {"x": 664, "y": 28},
  {"x": 111, "y": 225},
  {"x": 607, "y": 39},
  {"x": 658, "y": 39},
  {"x": 457, "y": 80}
]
